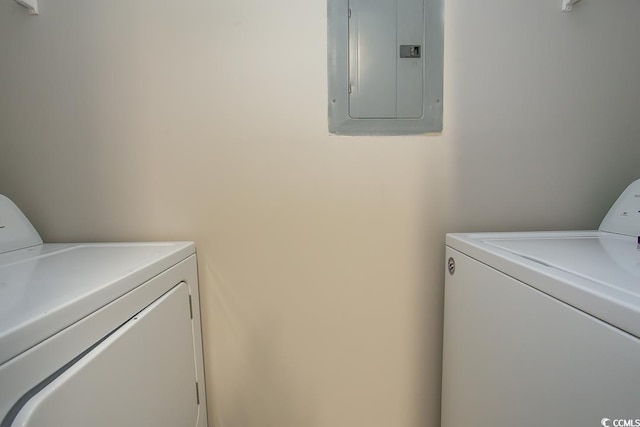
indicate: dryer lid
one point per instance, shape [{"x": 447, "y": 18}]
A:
[{"x": 46, "y": 288}]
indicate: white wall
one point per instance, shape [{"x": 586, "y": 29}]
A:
[{"x": 320, "y": 257}]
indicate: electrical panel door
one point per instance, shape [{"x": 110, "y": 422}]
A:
[
  {"x": 385, "y": 66},
  {"x": 386, "y": 70}
]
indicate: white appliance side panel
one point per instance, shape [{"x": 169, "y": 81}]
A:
[
  {"x": 514, "y": 356},
  {"x": 142, "y": 375}
]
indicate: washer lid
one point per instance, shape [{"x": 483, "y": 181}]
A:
[
  {"x": 46, "y": 288},
  {"x": 608, "y": 259},
  {"x": 596, "y": 272}
]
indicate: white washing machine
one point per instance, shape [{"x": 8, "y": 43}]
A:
[
  {"x": 97, "y": 334},
  {"x": 543, "y": 328}
]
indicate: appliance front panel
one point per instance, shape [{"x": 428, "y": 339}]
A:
[{"x": 142, "y": 374}]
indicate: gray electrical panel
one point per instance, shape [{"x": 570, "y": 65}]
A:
[{"x": 385, "y": 66}]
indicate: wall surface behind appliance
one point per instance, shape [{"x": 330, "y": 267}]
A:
[{"x": 320, "y": 257}]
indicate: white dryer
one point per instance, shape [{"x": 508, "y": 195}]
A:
[
  {"x": 97, "y": 334},
  {"x": 543, "y": 328}
]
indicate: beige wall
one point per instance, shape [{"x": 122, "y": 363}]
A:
[{"x": 320, "y": 257}]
